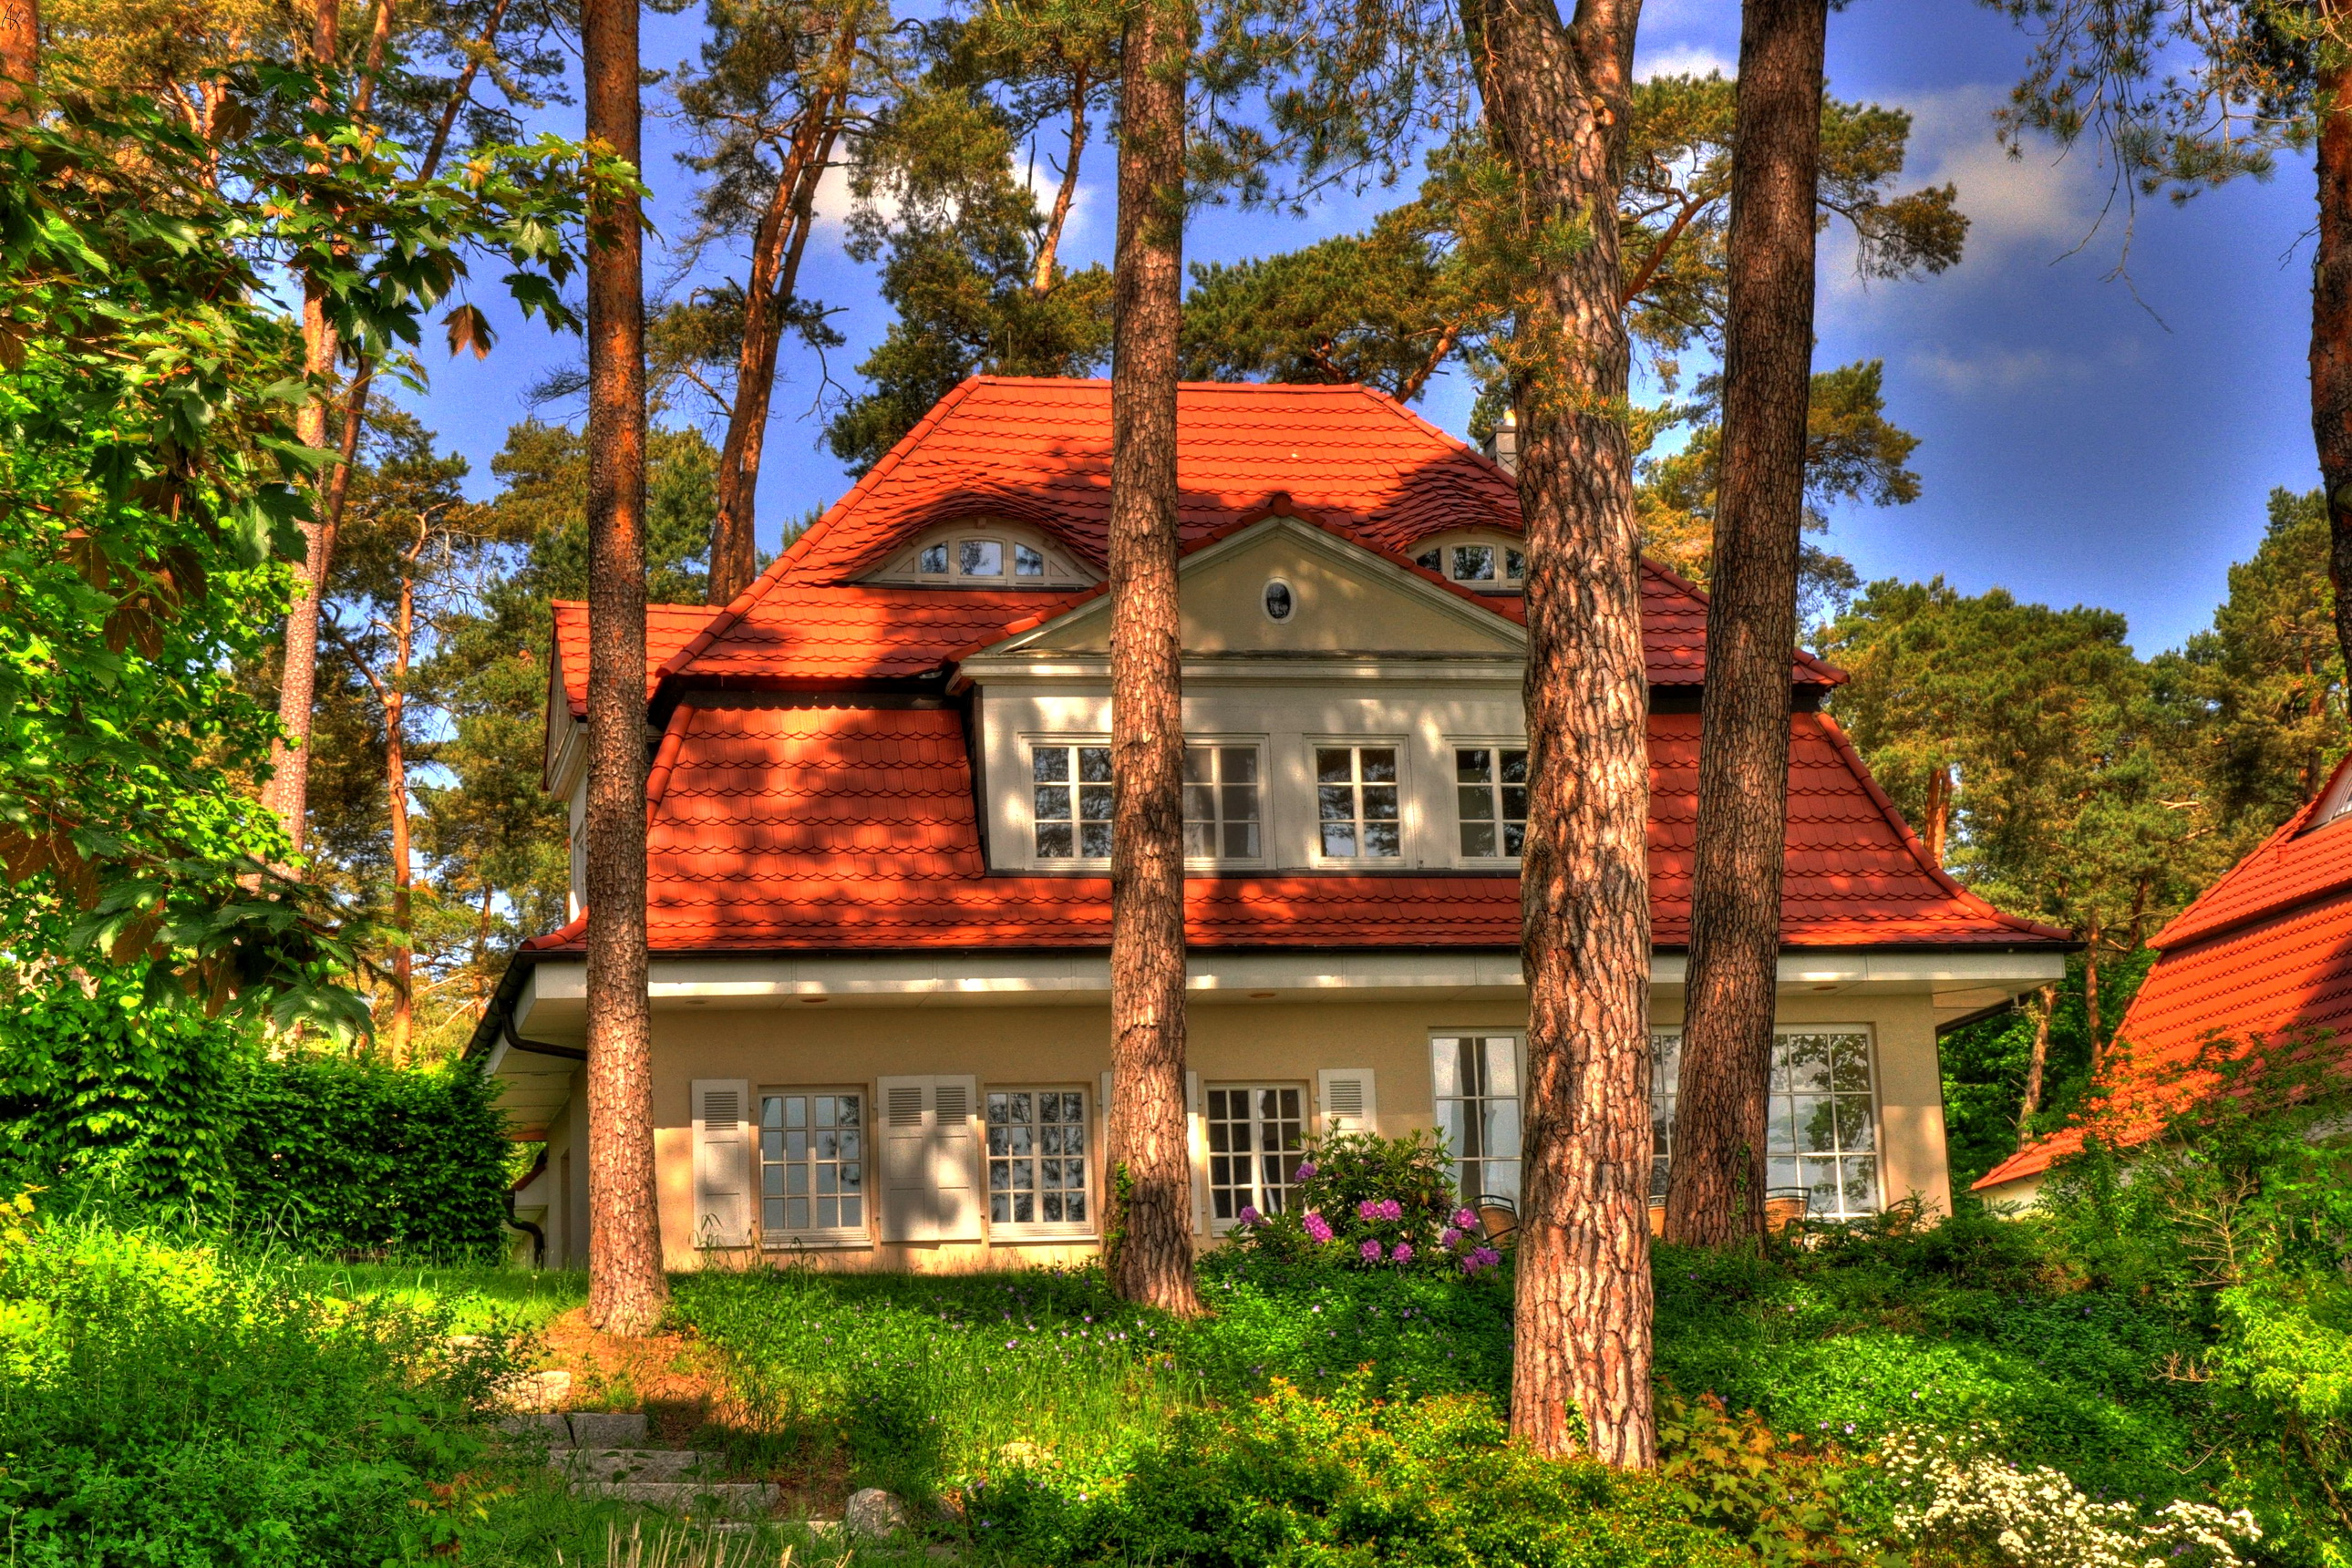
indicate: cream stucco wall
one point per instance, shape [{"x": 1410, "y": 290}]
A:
[{"x": 844, "y": 1045}]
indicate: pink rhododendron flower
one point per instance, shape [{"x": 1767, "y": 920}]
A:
[
  {"x": 1448, "y": 1237},
  {"x": 1368, "y": 1209},
  {"x": 1306, "y": 1170},
  {"x": 1250, "y": 1214},
  {"x": 1403, "y": 1253},
  {"x": 1464, "y": 1219},
  {"x": 1318, "y": 1229},
  {"x": 1391, "y": 1209},
  {"x": 1371, "y": 1251}
]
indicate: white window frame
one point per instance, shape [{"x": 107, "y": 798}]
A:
[
  {"x": 1220, "y": 1224},
  {"x": 1505, "y": 581},
  {"x": 869, "y": 1180},
  {"x": 1456, "y": 745},
  {"x": 1661, "y": 1092},
  {"x": 1406, "y": 818},
  {"x": 1517, "y": 1097},
  {"x": 1030, "y": 784},
  {"x": 1258, "y": 746},
  {"x": 1087, "y": 1229}
]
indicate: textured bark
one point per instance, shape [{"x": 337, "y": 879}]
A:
[
  {"x": 1153, "y": 1198},
  {"x": 2045, "y": 1003},
  {"x": 2331, "y": 324},
  {"x": 1940, "y": 811},
  {"x": 1715, "y": 1190},
  {"x": 625, "y": 1288},
  {"x": 2091, "y": 999},
  {"x": 287, "y": 793},
  {"x": 1049, "y": 244},
  {"x": 396, "y": 780},
  {"x": 777, "y": 245},
  {"x": 1556, "y": 102},
  {"x": 20, "y": 59}
]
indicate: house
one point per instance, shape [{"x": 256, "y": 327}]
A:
[
  {"x": 2262, "y": 959},
  {"x": 878, "y": 811}
]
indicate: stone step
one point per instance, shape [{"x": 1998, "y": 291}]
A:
[
  {"x": 738, "y": 1498},
  {"x": 579, "y": 1428},
  {"x": 633, "y": 1464}
]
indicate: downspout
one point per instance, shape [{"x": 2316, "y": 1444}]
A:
[{"x": 538, "y": 1237}]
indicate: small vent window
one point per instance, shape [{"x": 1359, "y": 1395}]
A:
[{"x": 1028, "y": 560}]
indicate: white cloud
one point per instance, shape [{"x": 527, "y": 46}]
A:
[
  {"x": 1681, "y": 59},
  {"x": 835, "y": 204}
]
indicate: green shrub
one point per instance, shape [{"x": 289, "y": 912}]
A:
[
  {"x": 1293, "y": 1481},
  {"x": 175, "y": 1405},
  {"x": 337, "y": 1156}
]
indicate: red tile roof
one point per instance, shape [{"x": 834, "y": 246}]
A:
[
  {"x": 668, "y": 627},
  {"x": 1351, "y": 459},
  {"x": 830, "y": 829},
  {"x": 2264, "y": 958}
]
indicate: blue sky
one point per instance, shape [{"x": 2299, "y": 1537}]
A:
[{"x": 2085, "y": 439}]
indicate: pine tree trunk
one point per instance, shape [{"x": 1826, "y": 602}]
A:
[
  {"x": 2331, "y": 314},
  {"x": 287, "y": 793},
  {"x": 1715, "y": 1191},
  {"x": 2047, "y": 1003},
  {"x": 777, "y": 245},
  {"x": 396, "y": 768},
  {"x": 2091, "y": 1000},
  {"x": 1939, "y": 810},
  {"x": 1557, "y": 101},
  {"x": 20, "y": 59},
  {"x": 1153, "y": 1198},
  {"x": 626, "y": 1291},
  {"x": 1049, "y": 244}
]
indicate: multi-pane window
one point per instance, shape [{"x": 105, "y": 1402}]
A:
[
  {"x": 1221, "y": 803},
  {"x": 1476, "y": 1080},
  {"x": 1476, "y": 565},
  {"x": 1821, "y": 1133},
  {"x": 1490, "y": 785},
  {"x": 1356, "y": 802},
  {"x": 812, "y": 1163},
  {"x": 1257, "y": 1136},
  {"x": 1036, "y": 1156},
  {"x": 1070, "y": 801}
]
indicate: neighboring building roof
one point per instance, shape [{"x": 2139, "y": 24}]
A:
[
  {"x": 2263, "y": 958},
  {"x": 831, "y": 828}
]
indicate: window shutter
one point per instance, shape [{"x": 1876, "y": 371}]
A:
[
  {"x": 722, "y": 1162},
  {"x": 907, "y": 1212},
  {"x": 1196, "y": 1128},
  {"x": 1345, "y": 1099},
  {"x": 955, "y": 1158}
]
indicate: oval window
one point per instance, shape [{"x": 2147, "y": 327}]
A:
[{"x": 1278, "y": 602}]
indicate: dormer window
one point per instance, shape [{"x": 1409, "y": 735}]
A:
[
  {"x": 1488, "y": 566},
  {"x": 985, "y": 556}
]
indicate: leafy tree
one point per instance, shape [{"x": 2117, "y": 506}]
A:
[
  {"x": 2260, "y": 696},
  {"x": 965, "y": 247},
  {"x": 778, "y": 87}
]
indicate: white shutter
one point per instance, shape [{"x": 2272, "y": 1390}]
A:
[
  {"x": 955, "y": 1158},
  {"x": 1196, "y": 1141},
  {"x": 1344, "y": 1096},
  {"x": 722, "y": 1162},
  {"x": 907, "y": 1209}
]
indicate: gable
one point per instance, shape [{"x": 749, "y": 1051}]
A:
[{"x": 1343, "y": 599}]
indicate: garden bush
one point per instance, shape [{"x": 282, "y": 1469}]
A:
[
  {"x": 145, "y": 1108},
  {"x": 1367, "y": 1202}
]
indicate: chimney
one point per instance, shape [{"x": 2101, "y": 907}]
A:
[{"x": 1502, "y": 443}]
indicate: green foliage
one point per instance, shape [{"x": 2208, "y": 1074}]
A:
[
  {"x": 1341, "y": 1478},
  {"x": 144, "y": 1107},
  {"x": 1782, "y": 1495},
  {"x": 175, "y": 1404},
  {"x": 341, "y": 1156}
]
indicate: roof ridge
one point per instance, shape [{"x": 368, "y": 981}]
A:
[
  {"x": 2186, "y": 927},
  {"x": 1832, "y": 674}
]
